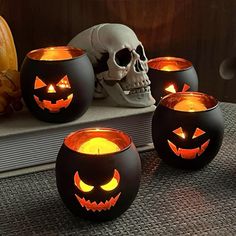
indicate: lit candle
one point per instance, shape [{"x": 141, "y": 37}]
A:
[
  {"x": 52, "y": 54},
  {"x": 98, "y": 145},
  {"x": 169, "y": 64},
  {"x": 190, "y": 104},
  {"x": 106, "y": 169},
  {"x": 170, "y": 67}
]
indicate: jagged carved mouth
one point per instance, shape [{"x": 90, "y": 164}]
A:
[
  {"x": 188, "y": 153},
  {"x": 101, "y": 206},
  {"x": 54, "y": 107}
]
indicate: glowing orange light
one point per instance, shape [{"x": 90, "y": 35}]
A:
[
  {"x": 188, "y": 153},
  {"x": 179, "y": 132},
  {"x": 98, "y": 145},
  {"x": 98, "y": 206},
  {"x": 185, "y": 88},
  {"x": 39, "y": 83},
  {"x": 82, "y": 185},
  {"x": 64, "y": 83},
  {"x": 169, "y": 64},
  {"x": 54, "y": 107},
  {"x": 51, "y": 89},
  {"x": 190, "y": 104},
  {"x": 198, "y": 132},
  {"x": 97, "y": 141},
  {"x": 171, "y": 67},
  {"x": 171, "y": 89},
  {"x": 113, "y": 183},
  {"x": 53, "y": 54}
]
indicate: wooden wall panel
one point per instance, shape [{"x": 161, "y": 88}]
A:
[{"x": 203, "y": 31}]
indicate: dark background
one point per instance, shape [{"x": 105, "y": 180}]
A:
[{"x": 202, "y": 31}]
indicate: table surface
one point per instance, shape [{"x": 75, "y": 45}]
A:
[{"x": 170, "y": 201}]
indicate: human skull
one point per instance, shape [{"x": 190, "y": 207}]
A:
[{"x": 119, "y": 62}]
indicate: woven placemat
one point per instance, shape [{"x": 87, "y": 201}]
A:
[{"x": 170, "y": 201}]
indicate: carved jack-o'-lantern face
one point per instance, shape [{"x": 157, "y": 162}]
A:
[
  {"x": 187, "y": 129},
  {"x": 188, "y": 153},
  {"x": 88, "y": 204},
  {"x": 100, "y": 184},
  {"x": 57, "y": 83},
  {"x": 172, "y": 88},
  {"x": 53, "y": 97},
  {"x": 171, "y": 75}
]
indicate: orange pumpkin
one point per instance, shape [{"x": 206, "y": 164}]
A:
[{"x": 8, "y": 55}]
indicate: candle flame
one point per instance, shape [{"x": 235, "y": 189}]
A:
[
  {"x": 190, "y": 104},
  {"x": 98, "y": 146},
  {"x": 52, "y": 54},
  {"x": 170, "y": 67}
]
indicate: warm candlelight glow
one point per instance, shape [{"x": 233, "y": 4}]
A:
[
  {"x": 51, "y": 89},
  {"x": 170, "y": 67},
  {"x": 98, "y": 146},
  {"x": 98, "y": 141},
  {"x": 189, "y": 101},
  {"x": 190, "y": 104},
  {"x": 169, "y": 64},
  {"x": 53, "y": 54},
  {"x": 171, "y": 89}
]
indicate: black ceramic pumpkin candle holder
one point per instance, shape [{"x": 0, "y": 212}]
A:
[
  {"x": 171, "y": 75},
  {"x": 98, "y": 173},
  {"x": 187, "y": 129},
  {"x": 57, "y": 83}
]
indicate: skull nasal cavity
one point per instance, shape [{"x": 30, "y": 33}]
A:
[
  {"x": 138, "y": 66},
  {"x": 140, "y": 52}
]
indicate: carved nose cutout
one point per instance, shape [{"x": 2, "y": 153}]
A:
[
  {"x": 51, "y": 89},
  {"x": 171, "y": 89}
]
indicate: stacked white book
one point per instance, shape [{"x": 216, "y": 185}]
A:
[{"x": 26, "y": 141}]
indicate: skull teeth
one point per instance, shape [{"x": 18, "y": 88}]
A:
[
  {"x": 128, "y": 85},
  {"x": 140, "y": 90}
]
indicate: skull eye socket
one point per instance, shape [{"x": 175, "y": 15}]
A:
[
  {"x": 179, "y": 132},
  {"x": 39, "y": 83},
  {"x": 198, "y": 132},
  {"x": 81, "y": 185},
  {"x": 123, "y": 57},
  {"x": 63, "y": 83},
  {"x": 140, "y": 52},
  {"x": 113, "y": 183}
]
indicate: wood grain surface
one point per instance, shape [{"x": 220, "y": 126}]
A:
[{"x": 202, "y": 31}]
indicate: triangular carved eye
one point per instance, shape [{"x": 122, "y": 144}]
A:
[
  {"x": 186, "y": 87},
  {"x": 39, "y": 83},
  {"x": 198, "y": 132},
  {"x": 179, "y": 132},
  {"x": 64, "y": 83}
]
